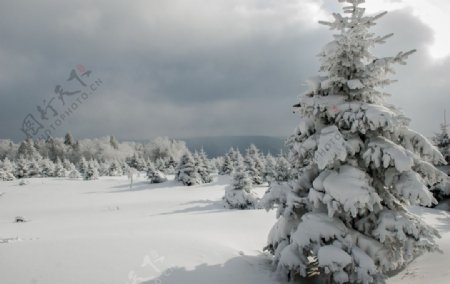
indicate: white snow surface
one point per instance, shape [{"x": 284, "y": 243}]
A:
[{"x": 102, "y": 232}]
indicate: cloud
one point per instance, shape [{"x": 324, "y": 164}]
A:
[{"x": 188, "y": 68}]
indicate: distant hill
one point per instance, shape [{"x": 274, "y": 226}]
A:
[{"x": 218, "y": 145}]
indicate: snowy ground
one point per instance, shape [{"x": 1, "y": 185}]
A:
[{"x": 101, "y": 232}]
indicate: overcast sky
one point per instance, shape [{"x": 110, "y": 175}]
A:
[{"x": 186, "y": 68}]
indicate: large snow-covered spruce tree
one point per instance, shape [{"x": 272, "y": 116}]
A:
[{"x": 357, "y": 168}]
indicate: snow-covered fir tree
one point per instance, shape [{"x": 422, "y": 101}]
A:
[
  {"x": 282, "y": 169},
  {"x": 68, "y": 140},
  {"x": 34, "y": 168},
  {"x": 204, "y": 167},
  {"x": 59, "y": 170},
  {"x": 115, "y": 169},
  {"x": 27, "y": 150},
  {"x": 357, "y": 168},
  {"x": 7, "y": 170},
  {"x": 239, "y": 194},
  {"x": 21, "y": 169},
  {"x": 442, "y": 140},
  {"x": 187, "y": 172},
  {"x": 258, "y": 163},
  {"x": 154, "y": 175},
  {"x": 269, "y": 168},
  {"x": 441, "y": 190},
  {"x": 82, "y": 166},
  {"x": 74, "y": 173},
  {"x": 91, "y": 171},
  {"x": 113, "y": 142},
  {"x": 227, "y": 166},
  {"x": 46, "y": 168},
  {"x": 252, "y": 169}
]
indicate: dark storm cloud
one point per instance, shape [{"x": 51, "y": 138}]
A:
[{"x": 183, "y": 68}]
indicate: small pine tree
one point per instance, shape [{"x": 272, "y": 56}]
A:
[
  {"x": 34, "y": 168},
  {"x": 269, "y": 169},
  {"x": 91, "y": 172},
  {"x": 254, "y": 162},
  {"x": 239, "y": 195},
  {"x": 204, "y": 167},
  {"x": 282, "y": 169},
  {"x": 22, "y": 167},
  {"x": 68, "y": 140},
  {"x": 113, "y": 142},
  {"x": 7, "y": 170},
  {"x": 59, "y": 171},
  {"x": 115, "y": 169},
  {"x": 74, "y": 173},
  {"x": 155, "y": 176},
  {"x": 46, "y": 168},
  {"x": 252, "y": 170},
  {"x": 442, "y": 141},
  {"x": 82, "y": 166},
  {"x": 227, "y": 166},
  {"x": 441, "y": 190},
  {"x": 187, "y": 172}
]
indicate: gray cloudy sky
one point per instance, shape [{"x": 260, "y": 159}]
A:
[{"x": 187, "y": 68}]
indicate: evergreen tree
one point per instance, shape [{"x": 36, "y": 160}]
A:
[
  {"x": 68, "y": 140},
  {"x": 46, "y": 168},
  {"x": 155, "y": 176},
  {"x": 59, "y": 171},
  {"x": 252, "y": 170},
  {"x": 7, "y": 170},
  {"x": 441, "y": 190},
  {"x": 204, "y": 167},
  {"x": 22, "y": 166},
  {"x": 75, "y": 153},
  {"x": 34, "y": 168},
  {"x": 74, "y": 173},
  {"x": 113, "y": 142},
  {"x": 255, "y": 164},
  {"x": 227, "y": 166},
  {"x": 357, "y": 169},
  {"x": 269, "y": 169},
  {"x": 187, "y": 172},
  {"x": 282, "y": 169},
  {"x": 115, "y": 169},
  {"x": 239, "y": 194},
  {"x": 82, "y": 166},
  {"x": 27, "y": 150},
  {"x": 91, "y": 172},
  {"x": 442, "y": 141}
]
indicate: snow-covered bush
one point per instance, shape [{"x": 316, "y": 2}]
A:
[
  {"x": 187, "y": 172},
  {"x": 357, "y": 166},
  {"x": 6, "y": 176},
  {"x": 115, "y": 169},
  {"x": 239, "y": 194},
  {"x": 155, "y": 176},
  {"x": 7, "y": 169},
  {"x": 74, "y": 174}
]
